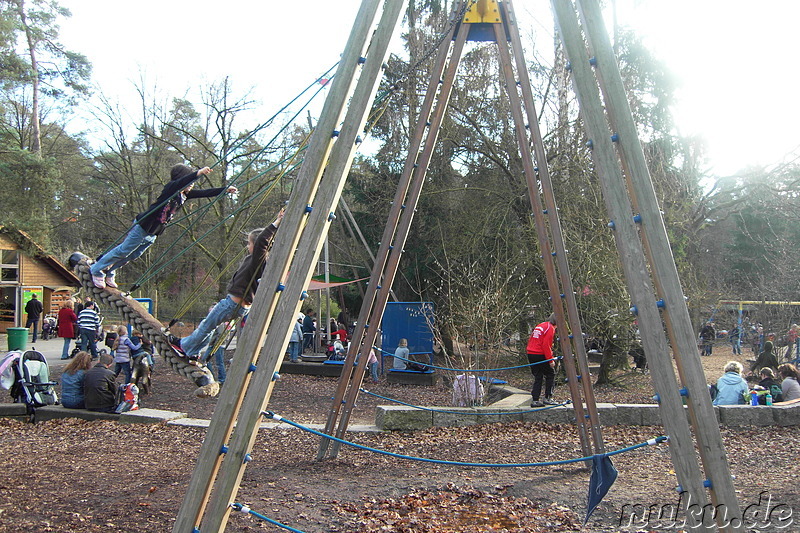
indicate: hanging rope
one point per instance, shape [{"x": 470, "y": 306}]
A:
[
  {"x": 244, "y": 509},
  {"x": 200, "y": 211},
  {"x": 481, "y": 371},
  {"x": 200, "y": 287},
  {"x": 462, "y": 412},
  {"x": 153, "y": 271},
  {"x": 236, "y": 146},
  {"x": 278, "y": 418}
]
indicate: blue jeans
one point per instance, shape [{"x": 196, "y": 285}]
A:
[
  {"x": 308, "y": 339},
  {"x": 737, "y": 348},
  {"x": 225, "y": 310},
  {"x": 33, "y": 323},
  {"x": 136, "y": 242},
  {"x": 219, "y": 356},
  {"x": 124, "y": 367},
  {"x": 89, "y": 339},
  {"x": 65, "y": 351},
  {"x": 373, "y": 371},
  {"x": 295, "y": 349}
]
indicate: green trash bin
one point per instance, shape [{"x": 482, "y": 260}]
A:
[{"x": 17, "y": 338}]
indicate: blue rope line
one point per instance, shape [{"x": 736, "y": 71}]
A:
[
  {"x": 651, "y": 442},
  {"x": 467, "y": 370},
  {"x": 461, "y": 412},
  {"x": 244, "y": 509}
]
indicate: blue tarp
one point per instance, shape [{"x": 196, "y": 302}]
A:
[{"x": 411, "y": 321}]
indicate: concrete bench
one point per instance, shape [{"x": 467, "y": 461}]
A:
[{"x": 54, "y": 412}]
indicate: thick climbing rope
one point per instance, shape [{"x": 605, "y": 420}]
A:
[
  {"x": 194, "y": 295},
  {"x": 135, "y": 314},
  {"x": 154, "y": 270},
  {"x": 480, "y": 371},
  {"x": 278, "y": 418},
  {"x": 365, "y": 391}
]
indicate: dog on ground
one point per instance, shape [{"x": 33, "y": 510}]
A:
[
  {"x": 639, "y": 359},
  {"x": 141, "y": 374}
]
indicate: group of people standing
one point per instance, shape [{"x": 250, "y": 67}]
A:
[{"x": 79, "y": 322}]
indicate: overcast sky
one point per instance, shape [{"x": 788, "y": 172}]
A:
[{"x": 736, "y": 59}]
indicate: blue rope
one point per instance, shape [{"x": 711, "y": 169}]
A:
[
  {"x": 244, "y": 509},
  {"x": 467, "y": 370},
  {"x": 270, "y": 414},
  {"x": 460, "y": 412}
]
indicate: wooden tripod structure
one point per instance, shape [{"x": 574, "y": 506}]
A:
[
  {"x": 483, "y": 21},
  {"x": 642, "y": 241}
]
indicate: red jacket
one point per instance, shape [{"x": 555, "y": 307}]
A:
[
  {"x": 66, "y": 323},
  {"x": 541, "y": 341}
]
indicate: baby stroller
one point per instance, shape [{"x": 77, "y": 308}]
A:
[
  {"x": 49, "y": 330},
  {"x": 27, "y": 377}
]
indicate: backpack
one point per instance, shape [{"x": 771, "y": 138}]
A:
[
  {"x": 774, "y": 390},
  {"x": 128, "y": 398},
  {"x": 712, "y": 389}
]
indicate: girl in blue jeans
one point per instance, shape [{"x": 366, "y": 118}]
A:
[
  {"x": 151, "y": 223},
  {"x": 241, "y": 290}
]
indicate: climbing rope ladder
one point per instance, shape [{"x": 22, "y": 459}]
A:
[{"x": 641, "y": 239}]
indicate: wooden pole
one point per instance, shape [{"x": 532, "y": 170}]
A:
[
  {"x": 632, "y": 256},
  {"x": 318, "y": 220},
  {"x": 664, "y": 272},
  {"x": 239, "y": 375},
  {"x": 366, "y": 329}
]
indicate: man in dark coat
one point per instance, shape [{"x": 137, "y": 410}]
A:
[
  {"x": 34, "y": 311},
  {"x": 309, "y": 327},
  {"x": 100, "y": 386}
]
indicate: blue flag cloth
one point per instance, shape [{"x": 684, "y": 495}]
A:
[{"x": 603, "y": 476}]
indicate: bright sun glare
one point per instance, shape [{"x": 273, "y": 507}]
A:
[{"x": 735, "y": 60}]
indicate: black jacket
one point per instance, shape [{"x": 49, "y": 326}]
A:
[
  {"x": 34, "y": 308},
  {"x": 100, "y": 389},
  {"x": 160, "y": 212},
  {"x": 245, "y": 281}
]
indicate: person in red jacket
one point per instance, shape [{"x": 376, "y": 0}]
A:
[
  {"x": 66, "y": 325},
  {"x": 540, "y": 349}
]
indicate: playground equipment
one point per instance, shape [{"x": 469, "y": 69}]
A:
[{"x": 641, "y": 238}]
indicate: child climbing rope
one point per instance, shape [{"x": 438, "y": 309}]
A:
[
  {"x": 151, "y": 223},
  {"x": 241, "y": 290}
]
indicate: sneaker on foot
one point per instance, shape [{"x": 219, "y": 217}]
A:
[
  {"x": 550, "y": 401},
  {"x": 175, "y": 343},
  {"x": 110, "y": 282},
  {"x": 99, "y": 281},
  {"x": 537, "y": 403}
]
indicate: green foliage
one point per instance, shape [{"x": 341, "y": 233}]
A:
[{"x": 29, "y": 185}]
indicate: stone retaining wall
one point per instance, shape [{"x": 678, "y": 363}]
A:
[{"x": 402, "y": 418}]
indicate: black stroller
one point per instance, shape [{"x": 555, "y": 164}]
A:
[
  {"x": 27, "y": 376},
  {"x": 49, "y": 328}
]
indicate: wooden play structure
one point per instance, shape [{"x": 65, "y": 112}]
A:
[{"x": 696, "y": 447}]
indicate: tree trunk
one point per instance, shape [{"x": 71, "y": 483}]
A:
[{"x": 36, "y": 135}]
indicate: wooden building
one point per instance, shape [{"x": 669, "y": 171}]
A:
[{"x": 26, "y": 269}]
